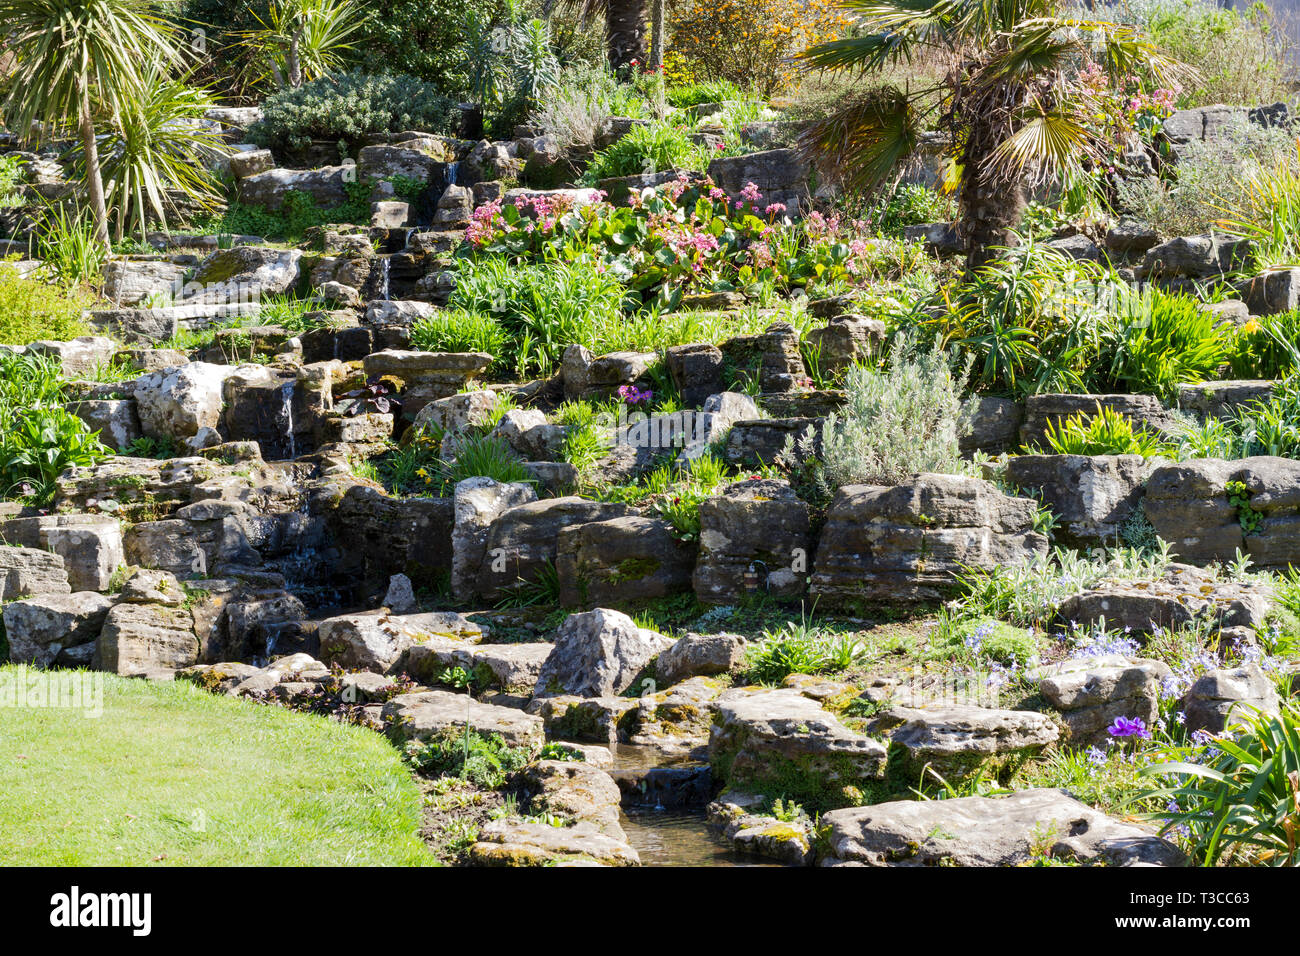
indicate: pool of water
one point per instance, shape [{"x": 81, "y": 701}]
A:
[{"x": 680, "y": 838}]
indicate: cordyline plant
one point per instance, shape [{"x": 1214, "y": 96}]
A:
[
  {"x": 76, "y": 61},
  {"x": 1008, "y": 92}
]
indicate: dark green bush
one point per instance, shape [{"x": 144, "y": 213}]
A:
[{"x": 351, "y": 108}]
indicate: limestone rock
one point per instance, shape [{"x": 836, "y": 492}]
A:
[
  {"x": 754, "y": 537},
  {"x": 25, "y": 572},
  {"x": 989, "y": 831},
  {"x": 597, "y": 653},
  {"x": 40, "y": 629},
  {"x": 425, "y": 714}
]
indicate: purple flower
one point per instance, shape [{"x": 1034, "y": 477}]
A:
[
  {"x": 1126, "y": 727},
  {"x": 1096, "y": 756},
  {"x": 633, "y": 395}
]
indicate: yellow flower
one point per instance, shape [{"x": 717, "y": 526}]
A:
[{"x": 1251, "y": 326}]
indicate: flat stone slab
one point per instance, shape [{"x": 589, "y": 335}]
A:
[
  {"x": 956, "y": 739},
  {"x": 521, "y": 843},
  {"x": 424, "y": 714},
  {"x": 989, "y": 831},
  {"x": 1183, "y": 595}
]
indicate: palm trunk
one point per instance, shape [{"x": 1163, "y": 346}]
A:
[
  {"x": 292, "y": 63},
  {"x": 992, "y": 201},
  {"x": 94, "y": 180},
  {"x": 657, "y": 33},
  {"x": 625, "y": 32}
]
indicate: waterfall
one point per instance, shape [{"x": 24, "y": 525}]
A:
[{"x": 286, "y": 416}]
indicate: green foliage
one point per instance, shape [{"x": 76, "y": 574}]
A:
[
  {"x": 542, "y": 309},
  {"x": 32, "y": 310},
  {"x": 298, "y": 214},
  {"x": 301, "y": 40},
  {"x": 350, "y": 108},
  {"x": 901, "y": 205},
  {"x": 11, "y": 178},
  {"x": 1235, "y": 796},
  {"x": 1266, "y": 346},
  {"x": 1239, "y": 497},
  {"x": 894, "y": 423},
  {"x": 484, "y": 760},
  {"x": 422, "y": 38},
  {"x": 975, "y": 639},
  {"x": 1266, "y": 427},
  {"x": 694, "y": 94},
  {"x": 1107, "y": 432},
  {"x": 456, "y": 330},
  {"x": 1166, "y": 341},
  {"x": 801, "y": 648},
  {"x": 70, "y": 254},
  {"x": 39, "y": 439},
  {"x": 647, "y": 149},
  {"x": 152, "y": 157}
]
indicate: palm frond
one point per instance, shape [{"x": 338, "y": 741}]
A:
[
  {"x": 866, "y": 137},
  {"x": 1046, "y": 141}
]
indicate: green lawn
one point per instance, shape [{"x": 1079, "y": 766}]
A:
[{"x": 170, "y": 774}]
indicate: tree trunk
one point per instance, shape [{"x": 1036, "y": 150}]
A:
[
  {"x": 992, "y": 201},
  {"x": 292, "y": 63},
  {"x": 657, "y": 33},
  {"x": 625, "y": 32},
  {"x": 94, "y": 180}
]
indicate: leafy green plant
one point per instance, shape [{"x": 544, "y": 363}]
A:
[
  {"x": 457, "y": 330},
  {"x": 801, "y": 648},
  {"x": 301, "y": 40},
  {"x": 11, "y": 178},
  {"x": 39, "y": 439},
  {"x": 647, "y": 149},
  {"x": 32, "y": 310},
  {"x": 71, "y": 255},
  {"x": 350, "y": 108},
  {"x": 1107, "y": 432},
  {"x": 484, "y": 760},
  {"x": 1239, "y": 497},
  {"x": 1167, "y": 341},
  {"x": 1236, "y": 797},
  {"x": 894, "y": 423}
]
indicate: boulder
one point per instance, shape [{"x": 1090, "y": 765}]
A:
[
  {"x": 846, "y": 339},
  {"x": 752, "y": 444},
  {"x": 958, "y": 740},
  {"x": 696, "y": 371},
  {"x": 515, "y": 842},
  {"x": 989, "y": 831},
  {"x": 1197, "y": 257},
  {"x": 429, "y": 713},
  {"x": 144, "y": 640},
  {"x": 90, "y": 544},
  {"x": 1182, "y": 596},
  {"x": 115, "y": 420},
  {"x": 1092, "y": 496},
  {"x": 521, "y": 544},
  {"x": 177, "y": 403},
  {"x": 1091, "y": 692},
  {"x": 596, "y": 654},
  {"x": 129, "y": 282},
  {"x": 244, "y": 274},
  {"x": 781, "y": 176},
  {"x": 326, "y": 185},
  {"x": 755, "y": 538},
  {"x": 78, "y": 357},
  {"x": 995, "y": 426},
  {"x": 377, "y": 642},
  {"x": 1189, "y": 506},
  {"x": 1221, "y": 697},
  {"x": 782, "y": 742},
  {"x": 700, "y": 655},
  {"x": 26, "y": 572},
  {"x": 907, "y": 543},
  {"x": 478, "y": 503},
  {"x": 42, "y": 630},
  {"x": 623, "y": 559}
]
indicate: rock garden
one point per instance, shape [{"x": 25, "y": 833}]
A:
[{"x": 677, "y": 449}]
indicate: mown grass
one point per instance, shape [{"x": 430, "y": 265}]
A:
[{"x": 170, "y": 774}]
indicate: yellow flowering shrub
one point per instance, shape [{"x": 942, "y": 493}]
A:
[{"x": 750, "y": 42}]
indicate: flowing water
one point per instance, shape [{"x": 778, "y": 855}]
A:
[{"x": 680, "y": 838}]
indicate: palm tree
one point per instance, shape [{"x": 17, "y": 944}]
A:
[
  {"x": 302, "y": 40},
  {"x": 1008, "y": 91},
  {"x": 624, "y": 28},
  {"x": 74, "y": 58}
]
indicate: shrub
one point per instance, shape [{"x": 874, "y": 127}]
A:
[
  {"x": 38, "y": 437},
  {"x": 1108, "y": 432},
  {"x": 577, "y": 109},
  {"x": 750, "y": 42},
  {"x": 894, "y": 423},
  {"x": 351, "y": 108},
  {"x": 647, "y": 149},
  {"x": 1265, "y": 346},
  {"x": 1239, "y": 57},
  {"x": 422, "y": 38},
  {"x": 1211, "y": 181},
  {"x": 11, "y": 177},
  {"x": 1167, "y": 341},
  {"x": 32, "y": 310},
  {"x": 1234, "y": 796}
]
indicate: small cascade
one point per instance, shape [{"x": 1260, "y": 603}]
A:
[
  {"x": 385, "y": 265},
  {"x": 285, "y": 418}
]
